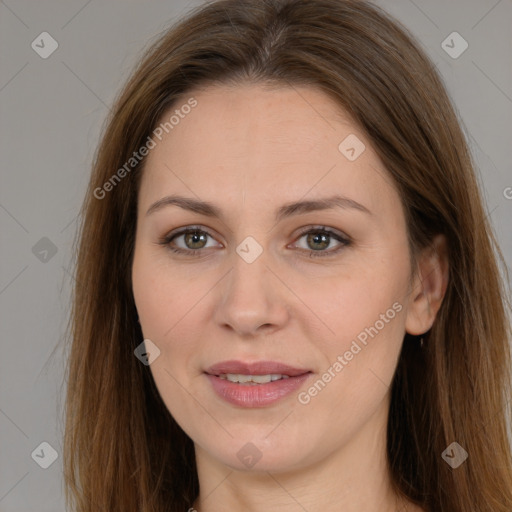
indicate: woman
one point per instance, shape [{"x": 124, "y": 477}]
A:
[{"x": 288, "y": 293}]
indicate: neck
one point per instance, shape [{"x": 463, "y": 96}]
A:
[{"x": 353, "y": 478}]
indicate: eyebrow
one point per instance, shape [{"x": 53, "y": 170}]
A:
[{"x": 287, "y": 210}]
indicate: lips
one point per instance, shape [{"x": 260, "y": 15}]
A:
[
  {"x": 255, "y": 368},
  {"x": 229, "y": 380}
]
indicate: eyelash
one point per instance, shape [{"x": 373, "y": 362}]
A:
[{"x": 345, "y": 241}]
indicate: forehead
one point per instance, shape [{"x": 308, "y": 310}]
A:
[{"x": 266, "y": 143}]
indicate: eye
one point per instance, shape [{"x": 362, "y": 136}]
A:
[
  {"x": 319, "y": 238},
  {"x": 193, "y": 238}
]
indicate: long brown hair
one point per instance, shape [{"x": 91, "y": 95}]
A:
[{"x": 123, "y": 451}]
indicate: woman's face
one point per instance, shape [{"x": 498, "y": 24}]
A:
[{"x": 263, "y": 285}]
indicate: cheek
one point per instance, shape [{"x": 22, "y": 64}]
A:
[
  {"x": 160, "y": 295},
  {"x": 149, "y": 298},
  {"x": 349, "y": 303},
  {"x": 366, "y": 313},
  {"x": 171, "y": 307},
  {"x": 365, "y": 316},
  {"x": 163, "y": 299},
  {"x": 354, "y": 381},
  {"x": 154, "y": 296}
]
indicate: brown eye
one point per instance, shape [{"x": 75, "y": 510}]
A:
[
  {"x": 195, "y": 239},
  {"x": 319, "y": 240},
  {"x": 190, "y": 241}
]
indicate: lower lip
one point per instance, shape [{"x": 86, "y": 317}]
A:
[{"x": 259, "y": 395}]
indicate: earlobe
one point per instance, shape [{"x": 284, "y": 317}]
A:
[{"x": 429, "y": 287}]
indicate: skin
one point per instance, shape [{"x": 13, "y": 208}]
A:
[{"x": 250, "y": 149}]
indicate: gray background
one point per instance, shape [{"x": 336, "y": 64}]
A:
[{"x": 51, "y": 113}]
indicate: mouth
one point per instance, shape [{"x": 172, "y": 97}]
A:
[
  {"x": 255, "y": 369},
  {"x": 255, "y": 384},
  {"x": 252, "y": 380}
]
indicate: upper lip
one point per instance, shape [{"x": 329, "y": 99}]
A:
[{"x": 255, "y": 368}]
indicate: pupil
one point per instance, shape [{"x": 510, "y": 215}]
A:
[
  {"x": 317, "y": 239},
  {"x": 195, "y": 237}
]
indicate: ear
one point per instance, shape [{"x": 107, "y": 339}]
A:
[{"x": 429, "y": 287}]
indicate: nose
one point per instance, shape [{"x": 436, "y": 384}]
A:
[{"x": 252, "y": 299}]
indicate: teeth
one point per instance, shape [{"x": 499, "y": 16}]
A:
[{"x": 252, "y": 379}]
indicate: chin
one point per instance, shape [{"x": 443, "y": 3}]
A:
[{"x": 261, "y": 455}]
